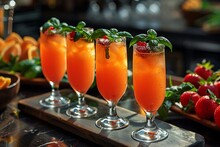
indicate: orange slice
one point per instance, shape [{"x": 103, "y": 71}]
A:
[
  {"x": 14, "y": 36},
  {"x": 2, "y": 42},
  {"x": 30, "y": 40},
  {"x": 33, "y": 52},
  {"x": 10, "y": 48},
  {"x": 4, "y": 82}
]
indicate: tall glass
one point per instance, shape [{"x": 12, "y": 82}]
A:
[
  {"x": 111, "y": 76},
  {"x": 53, "y": 62},
  {"x": 81, "y": 72},
  {"x": 149, "y": 81}
]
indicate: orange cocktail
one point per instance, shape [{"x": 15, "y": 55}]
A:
[
  {"x": 81, "y": 72},
  {"x": 111, "y": 77},
  {"x": 80, "y": 64},
  {"x": 53, "y": 62},
  {"x": 53, "y": 56},
  {"x": 111, "y": 73},
  {"x": 149, "y": 79}
]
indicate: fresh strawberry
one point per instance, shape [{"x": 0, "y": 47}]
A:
[
  {"x": 193, "y": 79},
  {"x": 203, "y": 89},
  {"x": 142, "y": 47},
  {"x": 104, "y": 41},
  {"x": 188, "y": 99},
  {"x": 217, "y": 116},
  {"x": 205, "y": 107},
  {"x": 72, "y": 35},
  {"x": 217, "y": 85},
  {"x": 204, "y": 69}
]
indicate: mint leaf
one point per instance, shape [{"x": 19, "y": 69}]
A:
[
  {"x": 165, "y": 41},
  {"x": 152, "y": 39},
  {"x": 140, "y": 37}
]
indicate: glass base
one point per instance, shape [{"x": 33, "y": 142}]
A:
[
  {"x": 81, "y": 111},
  {"x": 52, "y": 102},
  {"x": 109, "y": 123},
  {"x": 143, "y": 135}
]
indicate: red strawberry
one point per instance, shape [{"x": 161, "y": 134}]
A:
[
  {"x": 142, "y": 47},
  {"x": 205, "y": 107},
  {"x": 217, "y": 85},
  {"x": 104, "y": 41},
  {"x": 72, "y": 35},
  {"x": 217, "y": 116},
  {"x": 188, "y": 99},
  {"x": 204, "y": 69},
  {"x": 202, "y": 90},
  {"x": 193, "y": 79},
  {"x": 48, "y": 31}
]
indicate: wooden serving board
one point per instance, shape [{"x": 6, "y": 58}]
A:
[{"x": 86, "y": 128}]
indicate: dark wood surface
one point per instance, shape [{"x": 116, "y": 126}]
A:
[{"x": 86, "y": 127}]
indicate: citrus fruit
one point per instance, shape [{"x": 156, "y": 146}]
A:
[
  {"x": 4, "y": 82},
  {"x": 14, "y": 36},
  {"x": 11, "y": 48},
  {"x": 33, "y": 52}
]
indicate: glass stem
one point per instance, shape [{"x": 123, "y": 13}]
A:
[
  {"x": 112, "y": 109},
  {"x": 81, "y": 99},
  {"x": 55, "y": 90},
  {"x": 150, "y": 124}
]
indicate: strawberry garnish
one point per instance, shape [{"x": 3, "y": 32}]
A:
[
  {"x": 142, "y": 47},
  {"x": 72, "y": 35},
  {"x": 105, "y": 42}
]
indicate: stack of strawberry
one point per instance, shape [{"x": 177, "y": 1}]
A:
[{"x": 204, "y": 100}]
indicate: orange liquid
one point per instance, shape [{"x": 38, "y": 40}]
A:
[
  {"x": 53, "y": 56},
  {"x": 111, "y": 74},
  {"x": 80, "y": 64},
  {"x": 149, "y": 79}
]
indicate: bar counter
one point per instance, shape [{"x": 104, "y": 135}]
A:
[{"x": 18, "y": 128}]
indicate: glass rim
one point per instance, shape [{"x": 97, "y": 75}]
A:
[{"x": 161, "y": 50}]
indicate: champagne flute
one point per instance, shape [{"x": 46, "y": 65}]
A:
[
  {"x": 111, "y": 76},
  {"x": 149, "y": 81},
  {"x": 81, "y": 72},
  {"x": 53, "y": 62}
]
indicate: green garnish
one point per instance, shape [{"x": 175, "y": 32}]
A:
[
  {"x": 152, "y": 39},
  {"x": 54, "y": 26},
  {"x": 113, "y": 35},
  {"x": 79, "y": 31}
]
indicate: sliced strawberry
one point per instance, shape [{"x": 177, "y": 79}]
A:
[
  {"x": 193, "y": 79},
  {"x": 72, "y": 35},
  {"x": 142, "y": 47},
  {"x": 205, "y": 107},
  {"x": 104, "y": 41}
]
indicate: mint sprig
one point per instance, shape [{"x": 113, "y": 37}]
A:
[
  {"x": 152, "y": 39},
  {"x": 112, "y": 34},
  {"x": 81, "y": 31},
  {"x": 54, "y": 26}
]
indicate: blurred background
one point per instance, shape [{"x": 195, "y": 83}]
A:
[{"x": 192, "y": 26}]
